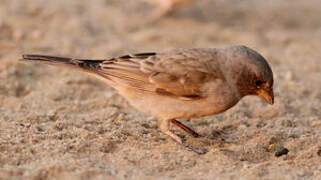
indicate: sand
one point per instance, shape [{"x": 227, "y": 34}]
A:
[{"x": 60, "y": 124}]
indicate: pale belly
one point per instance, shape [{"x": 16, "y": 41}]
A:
[{"x": 170, "y": 108}]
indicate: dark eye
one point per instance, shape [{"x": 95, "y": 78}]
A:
[{"x": 259, "y": 83}]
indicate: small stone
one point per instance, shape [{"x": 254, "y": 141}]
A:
[
  {"x": 271, "y": 148},
  {"x": 319, "y": 151},
  {"x": 281, "y": 151},
  {"x": 256, "y": 132}
]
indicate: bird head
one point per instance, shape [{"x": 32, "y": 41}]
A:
[
  {"x": 255, "y": 76},
  {"x": 250, "y": 83}
]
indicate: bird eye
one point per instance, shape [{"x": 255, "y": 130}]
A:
[{"x": 258, "y": 82}]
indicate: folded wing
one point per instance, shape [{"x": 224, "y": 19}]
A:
[{"x": 176, "y": 74}]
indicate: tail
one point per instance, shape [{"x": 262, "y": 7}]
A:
[
  {"x": 92, "y": 67},
  {"x": 83, "y": 64}
]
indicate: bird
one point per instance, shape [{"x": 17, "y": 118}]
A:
[
  {"x": 166, "y": 6},
  {"x": 180, "y": 83}
]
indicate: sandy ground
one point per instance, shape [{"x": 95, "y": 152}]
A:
[{"x": 60, "y": 124}]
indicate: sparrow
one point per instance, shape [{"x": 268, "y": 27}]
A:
[
  {"x": 166, "y": 6},
  {"x": 181, "y": 83}
]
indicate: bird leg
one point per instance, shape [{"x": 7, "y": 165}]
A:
[
  {"x": 163, "y": 125},
  {"x": 185, "y": 128}
]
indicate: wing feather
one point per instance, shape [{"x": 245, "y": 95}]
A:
[{"x": 177, "y": 75}]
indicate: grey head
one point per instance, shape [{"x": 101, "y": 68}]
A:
[{"x": 248, "y": 72}]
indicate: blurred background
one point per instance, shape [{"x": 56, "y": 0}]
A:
[{"x": 60, "y": 124}]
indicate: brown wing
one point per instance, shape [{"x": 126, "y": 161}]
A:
[{"x": 179, "y": 73}]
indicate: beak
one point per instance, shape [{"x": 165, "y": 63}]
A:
[{"x": 267, "y": 95}]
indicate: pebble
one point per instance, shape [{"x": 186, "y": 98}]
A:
[
  {"x": 319, "y": 151},
  {"x": 281, "y": 151}
]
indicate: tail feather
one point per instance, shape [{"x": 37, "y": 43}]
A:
[
  {"x": 86, "y": 65},
  {"x": 35, "y": 57},
  {"x": 55, "y": 60}
]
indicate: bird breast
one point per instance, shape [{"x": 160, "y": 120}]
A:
[{"x": 218, "y": 97}]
